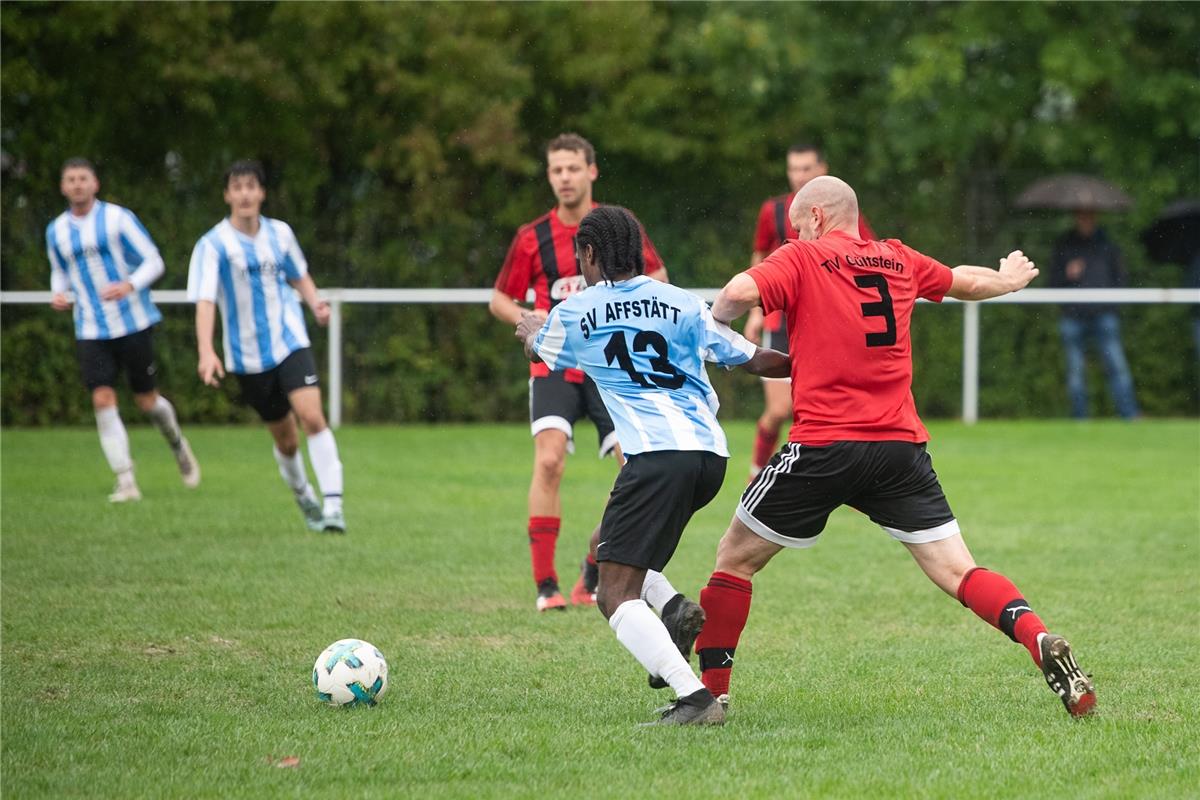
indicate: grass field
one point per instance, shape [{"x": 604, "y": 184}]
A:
[{"x": 164, "y": 649}]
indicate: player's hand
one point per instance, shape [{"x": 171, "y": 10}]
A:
[
  {"x": 531, "y": 322},
  {"x": 321, "y": 312},
  {"x": 1018, "y": 270},
  {"x": 60, "y": 302},
  {"x": 753, "y": 329},
  {"x": 116, "y": 291},
  {"x": 210, "y": 369}
]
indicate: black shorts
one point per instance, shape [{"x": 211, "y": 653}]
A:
[
  {"x": 267, "y": 392},
  {"x": 776, "y": 340},
  {"x": 558, "y": 400},
  {"x": 893, "y": 483},
  {"x": 101, "y": 360},
  {"x": 651, "y": 502}
]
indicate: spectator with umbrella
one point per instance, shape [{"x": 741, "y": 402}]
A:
[{"x": 1085, "y": 257}]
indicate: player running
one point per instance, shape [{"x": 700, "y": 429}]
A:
[
  {"x": 857, "y": 439},
  {"x": 102, "y": 262},
  {"x": 645, "y": 343},
  {"x": 542, "y": 258},
  {"x": 804, "y": 162},
  {"x": 248, "y": 265}
]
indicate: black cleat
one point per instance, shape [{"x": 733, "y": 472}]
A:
[
  {"x": 683, "y": 619},
  {"x": 1065, "y": 678},
  {"x": 698, "y": 708}
]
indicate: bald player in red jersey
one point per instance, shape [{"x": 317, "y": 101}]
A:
[
  {"x": 542, "y": 258},
  {"x": 804, "y": 162},
  {"x": 857, "y": 439}
]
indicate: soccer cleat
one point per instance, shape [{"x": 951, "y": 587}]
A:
[
  {"x": 683, "y": 619},
  {"x": 126, "y": 491},
  {"x": 1065, "y": 678},
  {"x": 334, "y": 522},
  {"x": 189, "y": 467},
  {"x": 580, "y": 596},
  {"x": 311, "y": 509},
  {"x": 699, "y": 708},
  {"x": 549, "y": 596}
]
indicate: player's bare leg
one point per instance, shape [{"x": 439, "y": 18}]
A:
[
  {"x": 726, "y": 601},
  {"x": 162, "y": 414},
  {"x": 114, "y": 441},
  {"x": 322, "y": 452},
  {"x": 997, "y": 601},
  {"x": 291, "y": 469},
  {"x": 777, "y": 412},
  {"x": 643, "y": 634},
  {"x": 545, "y": 514}
]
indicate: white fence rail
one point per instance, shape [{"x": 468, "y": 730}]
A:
[{"x": 970, "y": 364}]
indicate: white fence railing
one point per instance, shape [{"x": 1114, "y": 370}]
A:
[{"x": 970, "y": 387}]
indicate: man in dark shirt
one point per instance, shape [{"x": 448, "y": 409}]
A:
[{"x": 1086, "y": 258}]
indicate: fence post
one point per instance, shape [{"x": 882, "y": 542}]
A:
[
  {"x": 970, "y": 386},
  {"x": 335, "y": 361}
]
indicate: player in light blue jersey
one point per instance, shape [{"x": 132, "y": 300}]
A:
[
  {"x": 645, "y": 343},
  {"x": 250, "y": 267},
  {"x": 102, "y": 262}
]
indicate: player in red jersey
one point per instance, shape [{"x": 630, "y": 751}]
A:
[
  {"x": 804, "y": 162},
  {"x": 542, "y": 258},
  {"x": 857, "y": 439}
]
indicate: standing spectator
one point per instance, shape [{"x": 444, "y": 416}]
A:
[{"x": 1085, "y": 257}]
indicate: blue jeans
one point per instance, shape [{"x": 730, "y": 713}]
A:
[{"x": 1105, "y": 330}]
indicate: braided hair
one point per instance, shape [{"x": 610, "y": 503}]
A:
[{"x": 616, "y": 240}]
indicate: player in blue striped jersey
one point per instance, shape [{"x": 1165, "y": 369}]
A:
[
  {"x": 250, "y": 267},
  {"x": 102, "y": 262},
  {"x": 645, "y": 343}
]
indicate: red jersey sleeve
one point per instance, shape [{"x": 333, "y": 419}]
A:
[
  {"x": 932, "y": 276},
  {"x": 515, "y": 276},
  {"x": 864, "y": 228},
  {"x": 764, "y": 232},
  {"x": 653, "y": 261},
  {"x": 778, "y": 277}
]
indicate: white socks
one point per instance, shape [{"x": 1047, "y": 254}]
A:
[
  {"x": 291, "y": 468},
  {"x": 114, "y": 441},
  {"x": 163, "y": 416},
  {"x": 323, "y": 452},
  {"x": 657, "y": 590},
  {"x": 643, "y": 634}
]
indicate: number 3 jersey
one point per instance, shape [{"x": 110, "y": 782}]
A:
[
  {"x": 848, "y": 305},
  {"x": 644, "y": 343}
]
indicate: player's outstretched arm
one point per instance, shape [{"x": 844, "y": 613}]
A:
[
  {"x": 528, "y": 326},
  {"x": 739, "y": 296},
  {"x": 981, "y": 283},
  {"x": 769, "y": 364},
  {"x": 308, "y": 291}
]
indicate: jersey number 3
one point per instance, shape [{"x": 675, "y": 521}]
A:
[
  {"x": 881, "y": 309},
  {"x": 616, "y": 350}
]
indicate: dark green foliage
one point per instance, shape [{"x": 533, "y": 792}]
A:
[{"x": 403, "y": 141}]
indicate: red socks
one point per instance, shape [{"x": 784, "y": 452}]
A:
[
  {"x": 764, "y": 447},
  {"x": 726, "y": 604},
  {"x": 543, "y": 535},
  {"x": 998, "y": 603}
]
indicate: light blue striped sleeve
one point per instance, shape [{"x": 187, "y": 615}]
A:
[
  {"x": 295, "y": 266},
  {"x": 203, "y": 273},
  {"x": 140, "y": 251},
  {"x": 720, "y": 343},
  {"x": 553, "y": 342},
  {"x": 60, "y": 280}
]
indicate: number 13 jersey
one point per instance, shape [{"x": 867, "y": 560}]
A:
[
  {"x": 848, "y": 305},
  {"x": 644, "y": 343}
]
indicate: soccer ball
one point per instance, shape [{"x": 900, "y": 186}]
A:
[{"x": 350, "y": 672}]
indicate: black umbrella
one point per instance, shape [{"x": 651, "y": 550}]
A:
[
  {"x": 1074, "y": 193},
  {"x": 1175, "y": 235}
]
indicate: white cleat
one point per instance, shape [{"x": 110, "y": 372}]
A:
[
  {"x": 125, "y": 492},
  {"x": 189, "y": 467}
]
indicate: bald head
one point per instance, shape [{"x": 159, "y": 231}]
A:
[{"x": 824, "y": 204}]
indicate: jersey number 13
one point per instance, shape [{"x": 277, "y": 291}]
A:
[{"x": 616, "y": 350}]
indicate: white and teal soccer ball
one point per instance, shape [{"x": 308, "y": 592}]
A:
[{"x": 350, "y": 672}]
